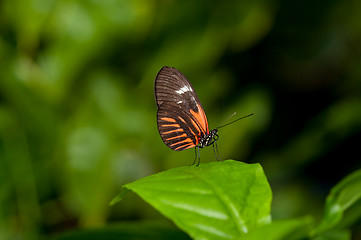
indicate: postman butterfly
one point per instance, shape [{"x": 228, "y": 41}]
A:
[{"x": 182, "y": 122}]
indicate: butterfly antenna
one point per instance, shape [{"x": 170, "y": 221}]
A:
[
  {"x": 234, "y": 120},
  {"x": 227, "y": 118}
]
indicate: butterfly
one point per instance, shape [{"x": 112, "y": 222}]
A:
[{"x": 182, "y": 122}]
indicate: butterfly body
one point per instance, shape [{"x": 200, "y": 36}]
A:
[{"x": 208, "y": 139}]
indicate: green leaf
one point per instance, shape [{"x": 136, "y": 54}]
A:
[
  {"x": 283, "y": 229},
  {"x": 218, "y": 200},
  {"x": 346, "y": 195}
]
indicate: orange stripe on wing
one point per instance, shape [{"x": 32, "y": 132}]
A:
[
  {"x": 180, "y": 136},
  {"x": 185, "y": 146},
  {"x": 173, "y": 131},
  {"x": 168, "y": 119},
  {"x": 201, "y": 118},
  {"x": 188, "y": 140},
  {"x": 170, "y": 125}
]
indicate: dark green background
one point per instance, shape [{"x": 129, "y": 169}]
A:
[{"x": 78, "y": 115}]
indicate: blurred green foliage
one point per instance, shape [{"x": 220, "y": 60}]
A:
[{"x": 78, "y": 117}]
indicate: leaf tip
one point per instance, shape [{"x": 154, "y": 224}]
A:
[{"x": 119, "y": 197}]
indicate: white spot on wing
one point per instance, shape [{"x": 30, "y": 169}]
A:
[
  {"x": 183, "y": 90},
  {"x": 179, "y": 102}
]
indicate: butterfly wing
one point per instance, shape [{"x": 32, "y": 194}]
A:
[
  {"x": 177, "y": 129},
  {"x": 181, "y": 118}
]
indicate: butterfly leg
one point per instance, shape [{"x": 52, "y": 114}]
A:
[
  {"x": 197, "y": 156},
  {"x": 215, "y": 149}
]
